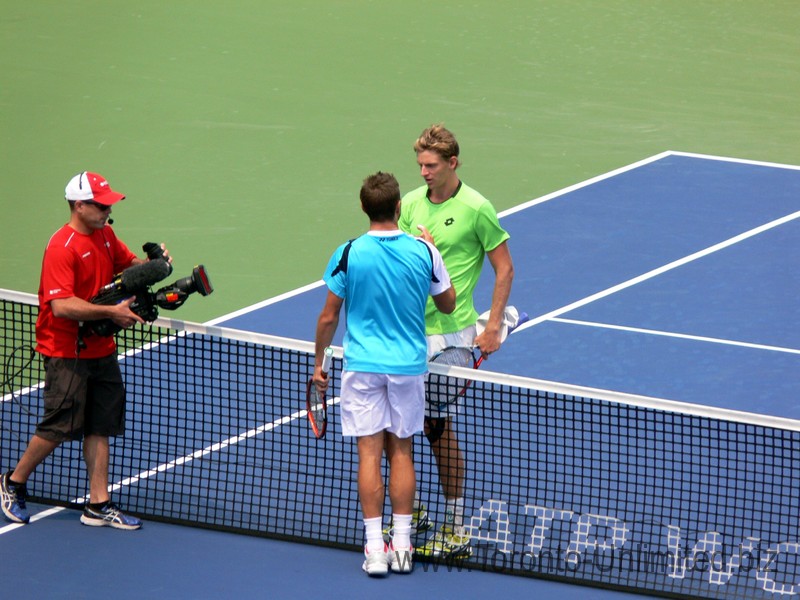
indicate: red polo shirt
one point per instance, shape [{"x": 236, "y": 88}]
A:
[{"x": 76, "y": 264}]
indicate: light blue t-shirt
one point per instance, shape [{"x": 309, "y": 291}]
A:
[{"x": 385, "y": 281}]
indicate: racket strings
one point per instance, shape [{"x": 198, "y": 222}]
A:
[
  {"x": 316, "y": 408},
  {"x": 457, "y": 356},
  {"x": 318, "y": 412}
]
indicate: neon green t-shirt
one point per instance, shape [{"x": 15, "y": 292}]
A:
[{"x": 464, "y": 228}]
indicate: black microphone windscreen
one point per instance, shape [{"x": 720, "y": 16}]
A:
[{"x": 145, "y": 274}]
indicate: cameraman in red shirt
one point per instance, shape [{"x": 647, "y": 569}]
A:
[{"x": 84, "y": 396}]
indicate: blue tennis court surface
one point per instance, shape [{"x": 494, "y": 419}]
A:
[
  {"x": 673, "y": 278},
  {"x": 190, "y": 563}
]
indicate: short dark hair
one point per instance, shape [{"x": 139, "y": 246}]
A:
[{"x": 379, "y": 195}]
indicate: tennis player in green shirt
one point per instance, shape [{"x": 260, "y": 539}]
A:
[{"x": 464, "y": 227}]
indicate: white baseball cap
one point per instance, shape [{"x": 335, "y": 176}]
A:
[{"x": 91, "y": 187}]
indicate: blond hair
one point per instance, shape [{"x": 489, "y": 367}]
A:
[{"x": 438, "y": 139}]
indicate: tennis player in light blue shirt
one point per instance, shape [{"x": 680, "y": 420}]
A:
[
  {"x": 383, "y": 279},
  {"x": 385, "y": 291}
]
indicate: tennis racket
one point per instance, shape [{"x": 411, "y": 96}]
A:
[
  {"x": 316, "y": 404},
  {"x": 443, "y": 391}
]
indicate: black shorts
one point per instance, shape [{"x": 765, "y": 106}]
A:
[{"x": 84, "y": 396}]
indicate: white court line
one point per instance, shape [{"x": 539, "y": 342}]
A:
[
  {"x": 528, "y": 204},
  {"x": 267, "y": 302},
  {"x": 584, "y": 184},
  {"x": 231, "y": 441},
  {"x": 742, "y": 161},
  {"x": 636, "y": 165},
  {"x": 40, "y": 515},
  {"x": 672, "y": 334},
  {"x": 660, "y": 270},
  {"x": 178, "y": 462}
]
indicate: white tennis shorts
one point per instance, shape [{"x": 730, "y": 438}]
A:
[{"x": 373, "y": 402}]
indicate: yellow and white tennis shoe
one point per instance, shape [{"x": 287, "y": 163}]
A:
[{"x": 449, "y": 542}]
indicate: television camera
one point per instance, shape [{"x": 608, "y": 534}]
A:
[{"x": 136, "y": 281}]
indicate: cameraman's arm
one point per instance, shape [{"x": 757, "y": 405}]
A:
[{"x": 80, "y": 310}]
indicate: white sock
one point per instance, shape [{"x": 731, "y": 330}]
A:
[
  {"x": 374, "y": 534},
  {"x": 417, "y": 502},
  {"x": 401, "y": 537},
  {"x": 454, "y": 512}
]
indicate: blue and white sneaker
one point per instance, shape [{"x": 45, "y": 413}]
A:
[
  {"x": 12, "y": 499},
  {"x": 109, "y": 515}
]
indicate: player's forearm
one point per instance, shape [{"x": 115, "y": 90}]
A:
[
  {"x": 504, "y": 277},
  {"x": 502, "y": 291},
  {"x": 327, "y": 323},
  {"x": 326, "y": 328}
]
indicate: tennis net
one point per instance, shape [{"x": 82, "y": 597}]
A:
[{"x": 563, "y": 482}]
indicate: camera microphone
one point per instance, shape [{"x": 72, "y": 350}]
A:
[
  {"x": 136, "y": 281},
  {"x": 145, "y": 274}
]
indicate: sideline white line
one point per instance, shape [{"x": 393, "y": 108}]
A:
[
  {"x": 698, "y": 338},
  {"x": 584, "y": 184},
  {"x": 663, "y": 269},
  {"x": 216, "y": 447},
  {"x": 512, "y": 210},
  {"x": 267, "y": 302},
  {"x": 533, "y": 202},
  {"x": 40, "y": 515},
  {"x": 742, "y": 161},
  {"x": 528, "y": 204}
]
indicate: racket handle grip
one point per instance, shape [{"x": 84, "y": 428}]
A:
[{"x": 327, "y": 359}]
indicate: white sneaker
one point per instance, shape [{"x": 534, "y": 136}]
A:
[
  {"x": 402, "y": 559},
  {"x": 376, "y": 564}
]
